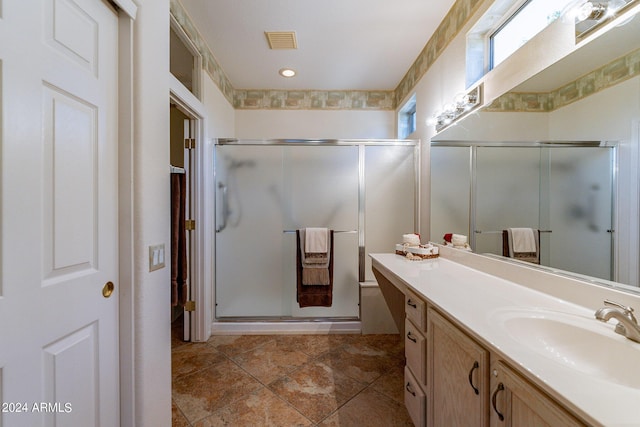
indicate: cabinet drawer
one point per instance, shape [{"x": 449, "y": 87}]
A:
[
  {"x": 414, "y": 399},
  {"x": 415, "y": 308},
  {"x": 415, "y": 351}
]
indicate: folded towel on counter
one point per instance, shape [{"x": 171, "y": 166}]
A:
[{"x": 314, "y": 274}]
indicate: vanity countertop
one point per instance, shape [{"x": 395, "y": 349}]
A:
[{"x": 478, "y": 301}]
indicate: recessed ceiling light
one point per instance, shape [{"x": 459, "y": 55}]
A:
[{"x": 287, "y": 72}]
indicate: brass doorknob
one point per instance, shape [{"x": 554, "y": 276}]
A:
[{"x": 107, "y": 289}]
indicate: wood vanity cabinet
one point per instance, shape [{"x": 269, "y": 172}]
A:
[
  {"x": 457, "y": 375},
  {"x": 415, "y": 353},
  {"x": 450, "y": 379},
  {"x": 515, "y": 402}
]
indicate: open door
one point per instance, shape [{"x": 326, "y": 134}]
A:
[
  {"x": 59, "y": 212},
  {"x": 183, "y": 137}
]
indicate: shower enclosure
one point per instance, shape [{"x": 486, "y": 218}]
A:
[
  {"x": 565, "y": 190},
  {"x": 366, "y": 191}
]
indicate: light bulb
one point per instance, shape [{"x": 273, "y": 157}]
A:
[
  {"x": 460, "y": 99},
  {"x": 449, "y": 108},
  {"x": 287, "y": 72},
  {"x": 591, "y": 10}
]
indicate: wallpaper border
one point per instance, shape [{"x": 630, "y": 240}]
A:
[{"x": 258, "y": 99}]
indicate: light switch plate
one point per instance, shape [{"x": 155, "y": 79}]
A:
[{"x": 156, "y": 257}]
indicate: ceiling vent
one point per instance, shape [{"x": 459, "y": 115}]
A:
[{"x": 281, "y": 39}]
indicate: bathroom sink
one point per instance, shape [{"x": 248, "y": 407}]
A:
[{"x": 577, "y": 342}]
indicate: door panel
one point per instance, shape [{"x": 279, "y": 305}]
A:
[
  {"x": 70, "y": 370},
  {"x": 264, "y": 193},
  {"x": 69, "y": 199},
  {"x": 58, "y": 218},
  {"x": 507, "y": 193},
  {"x": 321, "y": 187},
  {"x": 580, "y": 210}
]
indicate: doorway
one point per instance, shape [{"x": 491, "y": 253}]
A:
[{"x": 181, "y": 261}]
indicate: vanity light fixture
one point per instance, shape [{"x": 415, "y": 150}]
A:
[
  {"x": 287, "y": 72},
  {"x": 462, "y": 104},
  {"x": 588, "y": 15},
  {"x": 591, "y": 11}
]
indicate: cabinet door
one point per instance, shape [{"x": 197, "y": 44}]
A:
[
  {"x": 457, "y": 374},
  {"x": 518, "y": 403},
  {"x": 415, "y": 351}
]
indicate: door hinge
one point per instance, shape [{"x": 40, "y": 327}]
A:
[
  {"x": 190, "y": 306},
  {"x": 189, "y": 143},
  {"x": 190, "y": 224}
]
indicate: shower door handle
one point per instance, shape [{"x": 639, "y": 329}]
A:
[{"x": 225, "y": 207}]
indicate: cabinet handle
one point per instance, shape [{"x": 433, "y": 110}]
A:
[
  {"x": 410, "y": 337},
  {"x": 493, "y": 401},
  {"x": 411, "y": 303},
  {"x": 408, "y": 387},
  {"x": 476, "y": 365}
]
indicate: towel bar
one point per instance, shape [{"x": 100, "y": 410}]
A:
[
  {"x": 500, "y": 232},
  {"x": 335, "y": 231}
]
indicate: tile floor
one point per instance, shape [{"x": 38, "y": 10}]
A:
[{"x": 289, "y": 380}]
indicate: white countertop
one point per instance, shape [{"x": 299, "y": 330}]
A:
[{"x": 475, "y": 298}]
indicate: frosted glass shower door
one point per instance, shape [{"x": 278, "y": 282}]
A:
[
  {"x": 450, "y": 191},
  {"x": 249, "y": 219},
  {"x": 507, "y": 193},
  {"x": 263, "y": 194},
  {"x": 579, "y": 210},
  {"x": 320, "y": 186}
]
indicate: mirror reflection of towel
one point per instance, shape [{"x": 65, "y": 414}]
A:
[
  {"x": 523, "y": 240},
  {"x": 522, "y": 244}
]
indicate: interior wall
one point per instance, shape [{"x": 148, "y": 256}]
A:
[
  {"x": 312, "y": 124},
  {"x": 443, "y": 80},
  {"x": 490, "y": 126},
  {"x": 220, "y": 121},
  {"x": 151, "y": 223},
  {"x": 606, "y": 115}
]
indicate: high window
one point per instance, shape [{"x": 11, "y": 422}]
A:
[
  {"x": 407, "y": 118},
  {"x": 531, "y": 18},
  {"x": 503, "y": 29}
]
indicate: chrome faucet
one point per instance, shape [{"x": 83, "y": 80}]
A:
[{"x": 627, "y": 322}]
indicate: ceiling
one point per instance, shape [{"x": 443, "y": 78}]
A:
[{"x": 342, "y": 44}]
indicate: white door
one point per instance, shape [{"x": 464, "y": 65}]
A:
[{"x": 58, "y": 217}]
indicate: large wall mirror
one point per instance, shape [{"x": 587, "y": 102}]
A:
[{"x": 559, "y": 153}]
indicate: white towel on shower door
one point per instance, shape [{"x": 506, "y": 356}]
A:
[{"x": 316, "y": 240}]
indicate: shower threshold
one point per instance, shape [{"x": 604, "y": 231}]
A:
[
  {"x": 286, "y": 325},
  {"x": 292, "y": 319}
]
